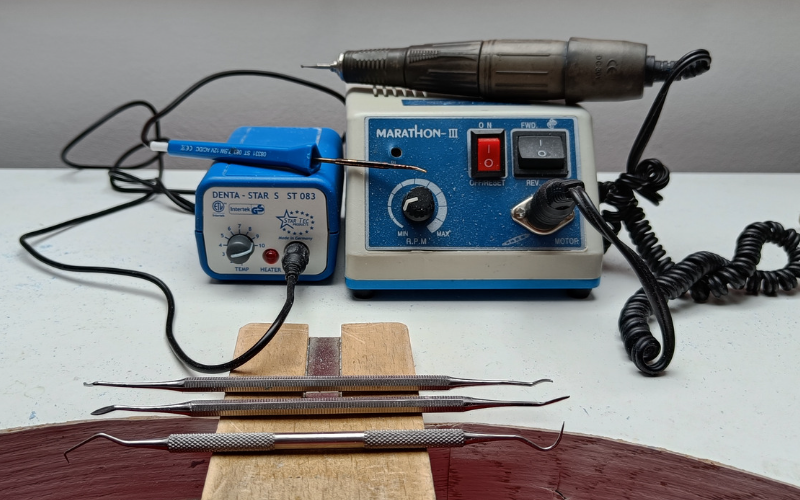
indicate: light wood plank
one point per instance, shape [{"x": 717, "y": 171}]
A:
[
  {"x": 378, "y": 349},
  {"x": 237, "y": 476}
]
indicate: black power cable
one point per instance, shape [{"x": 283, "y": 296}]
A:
[
  {"x": 296, "y": 254},
  {"x": 226, "y": 74}
]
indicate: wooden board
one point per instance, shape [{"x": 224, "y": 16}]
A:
[{"x": 377, "y": 349}]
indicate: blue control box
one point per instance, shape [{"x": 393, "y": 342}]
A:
[{"x": 260, "y": 210}]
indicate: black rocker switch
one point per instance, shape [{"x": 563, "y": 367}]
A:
[{"x": 540, "y": 154}]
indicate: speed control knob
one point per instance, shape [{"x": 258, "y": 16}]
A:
[
  {"x": 418, "y": 204},
  {"x": 240, "y": 248}
]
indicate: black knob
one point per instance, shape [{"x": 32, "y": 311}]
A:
[
  {"x": 418, "y": 204},
  {"x": 240, "y": 248}
]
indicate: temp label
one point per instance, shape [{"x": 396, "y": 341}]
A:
[
  {"x": 468, "y": 214},
  {"x": 271, "y": 219}
]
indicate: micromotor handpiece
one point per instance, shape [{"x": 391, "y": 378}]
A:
[
  {"x": 511, "y": 70},
  {"x": 267, "y": 441}
]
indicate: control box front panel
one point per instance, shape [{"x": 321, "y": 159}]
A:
[
  {"x": 478, "y": 168},
  {"x": 269, "y": 217}
]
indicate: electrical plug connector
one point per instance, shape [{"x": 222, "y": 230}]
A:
[
  {"x": 295, "y": 259},
  {"x": 549, "y": 209}
]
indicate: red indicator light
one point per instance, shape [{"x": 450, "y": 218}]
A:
[
  {"x": 488, "y": 154},
  {"x": 271, "y": 256}
]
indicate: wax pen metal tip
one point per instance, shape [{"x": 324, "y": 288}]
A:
[{"x": 347, "y": 162}]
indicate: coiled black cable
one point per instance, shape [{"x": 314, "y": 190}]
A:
[
  {"x": 701, "y": 273},
  {"x": 706, "y": 273},
  {"x": 295, "y": 258}
]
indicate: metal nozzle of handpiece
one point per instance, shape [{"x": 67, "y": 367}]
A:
[
  {"x": 335, "y": 66},
  {"x": 581, "y": 69}
]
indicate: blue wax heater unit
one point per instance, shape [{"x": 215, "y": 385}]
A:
[{"x": 246, "y": 215}]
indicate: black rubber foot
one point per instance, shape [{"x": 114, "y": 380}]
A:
[
  {"x": 363, "y": 294},
  {"x": 579, "y": 293}
]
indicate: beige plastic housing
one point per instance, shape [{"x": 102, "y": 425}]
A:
[{"x": 425, "y": 265}]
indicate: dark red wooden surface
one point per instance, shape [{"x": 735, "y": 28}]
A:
[
  {"x": 588, "y": 467},
  {"x": 32, "y": 466}
]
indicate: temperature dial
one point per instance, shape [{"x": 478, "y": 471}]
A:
[
  {"x": 418, "y": 204},
  {"x": 240, "y": 248}
]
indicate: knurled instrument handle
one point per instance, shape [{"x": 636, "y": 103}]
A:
[
  {"x": 325, "y": 406},
  {"x": 423, "y": 438},
  {"x": 264, "y": 441},
  {"x": 233, "y": 442},
  {"x": 311, "y": 383}
]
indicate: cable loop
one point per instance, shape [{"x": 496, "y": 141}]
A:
[
  {"x": 99, "y": 123},
  {"x": 741, "y": 272}
]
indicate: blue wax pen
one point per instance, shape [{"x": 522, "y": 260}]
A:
[{"x": 303, "y": 158}]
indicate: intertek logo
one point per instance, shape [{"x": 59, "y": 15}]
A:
[{"x": 416, "y": 132}]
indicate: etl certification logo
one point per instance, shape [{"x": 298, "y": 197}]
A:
[{"x": 218, "y": 206}]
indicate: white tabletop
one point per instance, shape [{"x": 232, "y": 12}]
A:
[{"x": 730, "y": 395}]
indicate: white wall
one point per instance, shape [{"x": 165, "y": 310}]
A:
[{"x": 65, "y": 63}]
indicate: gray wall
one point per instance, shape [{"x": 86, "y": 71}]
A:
[{"x": 65, "y": 63}]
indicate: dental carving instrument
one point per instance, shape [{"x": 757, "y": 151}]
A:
[
  {"x": 259, "y": 442},
  {"x": 325, "y": 406},
  {"x": 344, "y": 383}
]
